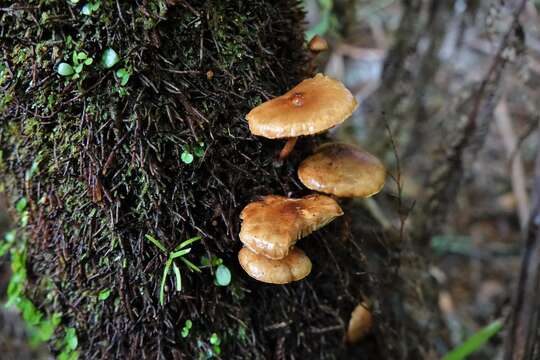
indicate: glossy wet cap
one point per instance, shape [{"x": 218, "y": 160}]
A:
[
  {"x": 343, "y": 170},
  {"x": 317, "y": 44},
  {"x": 270, "y": 227},
  {"x": 360, "y": 323},
  {"x": 293, "y": 267},
  {"x": 311, "y": 107}
]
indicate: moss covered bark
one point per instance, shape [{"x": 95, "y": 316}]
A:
[{"x": 104, "y": 164}]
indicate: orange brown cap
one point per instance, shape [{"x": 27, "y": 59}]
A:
[
  {"x": 293, "y": 267},
  {"x": 343, "y": 170},
  {"x": 272, "y": 226},
  {"x": 311, "y": 107},
  {"x": 317, "y": 44},
  {"x": 360, "y": 323}
]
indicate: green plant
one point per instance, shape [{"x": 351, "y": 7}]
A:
[
  {"x": 223, "y": 275},
  {"x": 475, "y": 342},
  {"x": 40, "y": 327},
  {"x": 216, "y": 342},
  {"x": 109, "y": 58},
  {"x": 90, "y": 7},
  {"x": 69, "y": 346},
  {"x": 209, "y": 351},
  {"x": 8, "y": 242},
  {"x": 187, "y": 328},
  {"x": 123, "y": 74},
  {"x": 79, "y": 60},
  {"x": 187, "y": 155},
  {"x": 104, "y": 294},
  {"x": 179, "y": 252}
]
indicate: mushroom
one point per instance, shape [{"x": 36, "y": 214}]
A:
[
  {"x": 311, "y": 107},
  {"x": 343, "y": 170},
  {"x": 293, "y": 267},
  {"x": 270, "y": 227},
  {"x": 317, "y": 44},
  {"x": 360, "y": 323}
]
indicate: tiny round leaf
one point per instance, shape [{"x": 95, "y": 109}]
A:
[
  {"x": 65, "y": 69},
  {"x": 223, "y": 275},
  {"x": 109, "y": 58},
  {"x": 187, "y": 158}
]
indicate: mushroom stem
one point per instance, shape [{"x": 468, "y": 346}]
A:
[{"x": 288, "y": 148}]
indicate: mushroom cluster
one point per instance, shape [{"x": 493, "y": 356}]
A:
[{"x": 272, "y": 226}]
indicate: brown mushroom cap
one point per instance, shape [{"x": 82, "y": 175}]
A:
[
  {"x": 292, "y": 267},
  {"x": 311, "y": 107},
  {"x": 272, "y": 226},
  {"x": 343, "y": 170},
  {"x": 317, "y": 44},
  {"x": 360, "y": 323}
]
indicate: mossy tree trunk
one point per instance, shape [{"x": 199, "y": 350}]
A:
[{"x": 101, "y": 165}]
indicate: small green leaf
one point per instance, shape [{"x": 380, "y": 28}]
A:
[
  {"x": 88, "y": 61},
  {"x": 223, "y": 275},
  {"x": 104, "y": 294},
  {"x": 178, "y": 277},
  {"x": 187, "y": 157},
  {"x": 166, "y": 270},
  {"x": 87, "y": 9},
  {"x": 46, "y": 328},
  {"x": 214, "y": 339},
  {"x": 179, "y": 253},
  {"x": 78, "y": 68},
  {"x": 81, "y": 56},
  {"x": 21, "y": 205},
  {"x": 191, "y": 265},
  {"x": 205, "y": 261},
  {"x": 475, "y": 342},
  {"x": 10, "y": 236},
  {"x": 199, "y": 150},
  {"x": 65, "y": 69},
  {"x": 188, "y": 242},
  {"x": 156, "y": 242},
  {"x": 71, "y": 339},
  {"x": 124, "y": 75},
  {"x": 109, "y": 58},
  {"x": 187, "y": 327},
  {"x": 124, "y": 80}
]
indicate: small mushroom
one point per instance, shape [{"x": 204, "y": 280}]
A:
[
  {"x": 343, "y": 170},
  {"x": 360, "y": 323},
  {"x": 311, "y": 107},
  {"x": 317, "y": 44},
  {"x": 292, "y": 267},
  {"x": 270, "y": 227}
]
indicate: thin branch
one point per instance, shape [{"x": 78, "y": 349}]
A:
[{"x": 522, "y": 339}]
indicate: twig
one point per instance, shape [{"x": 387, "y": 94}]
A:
[
  {"x": 522, "y": 338},
  {"x": 519, "y": 187}
]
